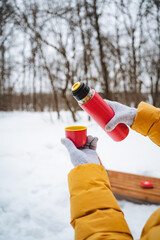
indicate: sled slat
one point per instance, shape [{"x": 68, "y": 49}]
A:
[{"x": 127, "y": 186}]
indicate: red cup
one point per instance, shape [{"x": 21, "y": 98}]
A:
[
  {"x": 147, "y": 184},
  {"x": 77, "y": 134}
]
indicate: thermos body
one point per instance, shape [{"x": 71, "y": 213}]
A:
[{"x": 100, "y": 111}]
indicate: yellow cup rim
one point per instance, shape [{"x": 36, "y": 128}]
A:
[{"x": 75, "y": 128}]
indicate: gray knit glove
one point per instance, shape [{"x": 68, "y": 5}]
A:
[
  {"x": 123, "y": 114},
  {"x": 87, "y": 154}
]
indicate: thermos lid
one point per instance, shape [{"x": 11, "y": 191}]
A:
[{"x": 80, "y": 90}]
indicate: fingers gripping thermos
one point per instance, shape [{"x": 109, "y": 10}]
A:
[{"x": 91, "y": 102}]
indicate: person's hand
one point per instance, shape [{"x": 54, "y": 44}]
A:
[
  {"x": 123, "y": 114},
  {"x": 86, "y": 154}
]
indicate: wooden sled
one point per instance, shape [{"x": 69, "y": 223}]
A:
[{"x": 127, "y": 186}]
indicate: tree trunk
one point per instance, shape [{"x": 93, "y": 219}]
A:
[{"x": 105, "y": 74}]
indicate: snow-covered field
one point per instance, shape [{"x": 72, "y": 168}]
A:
[{"x": 34, "y": 198}]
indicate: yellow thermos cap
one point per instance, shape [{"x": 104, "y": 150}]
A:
[
  {"x": 80, "y": 90},
  {"x": 76, "y": 86}
]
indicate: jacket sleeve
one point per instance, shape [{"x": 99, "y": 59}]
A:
[
  {"x": 151, "y": 230},
  {"x": 147, "y": 122},
  {"x": 95, "y": 213}
]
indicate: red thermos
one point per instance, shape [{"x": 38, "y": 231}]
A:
[{"x": 90, "y": 101}]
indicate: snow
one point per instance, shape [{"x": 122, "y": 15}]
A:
[{"x": 34, "y": 197}]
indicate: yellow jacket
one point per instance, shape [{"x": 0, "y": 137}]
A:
[
  {"x": 95, "y": 213},
  {"x": 147, "y": 122}
]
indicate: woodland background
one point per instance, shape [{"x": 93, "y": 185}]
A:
[{"x": 48, "y": 45}]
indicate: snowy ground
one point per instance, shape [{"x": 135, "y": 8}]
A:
[{"x": 34, "y": 198}]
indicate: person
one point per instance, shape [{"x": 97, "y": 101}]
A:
[
  {"x": 144, "y": 120},
  {"x": 95, "y": 213}
]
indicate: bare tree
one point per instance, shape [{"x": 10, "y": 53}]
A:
[
  {"x": 152, "y": 13},
  {"x": 6, "y": 13},
  {"x": 60, "y": 44}
]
